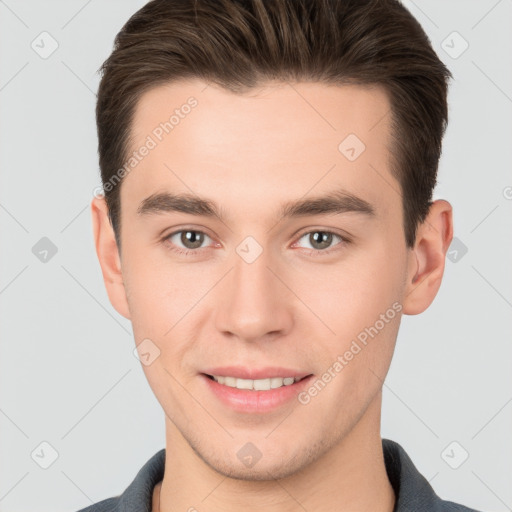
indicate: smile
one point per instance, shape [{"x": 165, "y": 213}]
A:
[
  {"x": 255, "y": 384},
  {"x": 256, "y": 389}
]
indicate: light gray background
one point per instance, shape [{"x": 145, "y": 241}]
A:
[{"x": 68, "y": 376}]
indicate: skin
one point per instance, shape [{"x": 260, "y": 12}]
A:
[{"x": 250, "y": 153}]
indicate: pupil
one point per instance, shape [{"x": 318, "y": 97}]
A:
[
  {"x": 192, "y": 237},
  {"x": 325, "y": 239}
]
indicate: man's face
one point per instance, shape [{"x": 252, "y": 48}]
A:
[{"x": 257, "y": 290}]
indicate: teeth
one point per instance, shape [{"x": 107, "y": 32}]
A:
[
  {"x": 258, "y": 384},
  {"x": 276, "y": 382},
  {"x": 229, "y": 381}
]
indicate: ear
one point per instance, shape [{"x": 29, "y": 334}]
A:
[
  {"x": 427, "y": 258},
  {"x": 108, "y": 256}
]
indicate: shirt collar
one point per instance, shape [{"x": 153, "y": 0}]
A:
[{"x": 412, "y": 490}]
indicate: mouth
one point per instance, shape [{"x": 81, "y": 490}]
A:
[
  {"x": 255, "y": 384},
  {"x": 255, "y": 396}
]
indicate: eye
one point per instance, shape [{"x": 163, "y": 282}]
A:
[
  {"x": 321, "y": 241},
  {"x": 191, "y": 240}
]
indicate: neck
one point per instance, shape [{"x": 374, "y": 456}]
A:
[{"x": 350, "y": 476}]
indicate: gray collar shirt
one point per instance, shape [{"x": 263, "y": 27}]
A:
[{"x": 413, "y": 492}]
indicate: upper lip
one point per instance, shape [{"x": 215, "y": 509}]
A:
[{"x": 241, "y": 372}]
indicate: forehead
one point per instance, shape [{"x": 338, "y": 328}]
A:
[
  {"x": 286, "y": 109},
  {"x": 280, "y": 139}
]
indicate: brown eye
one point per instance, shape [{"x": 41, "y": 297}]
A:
[
  {"x": 191, "y": 239},
  {"x": 186, "y": 240},
  {"x": 321, "y": 242},
  {"x": 320, "y": 239}
]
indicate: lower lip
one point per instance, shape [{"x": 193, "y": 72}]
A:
[{"x": 251, "y": 401}]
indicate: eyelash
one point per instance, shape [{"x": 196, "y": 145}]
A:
[{"x": 311, "y": 252}]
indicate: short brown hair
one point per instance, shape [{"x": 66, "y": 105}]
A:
[{"x": 241, "y": 44}]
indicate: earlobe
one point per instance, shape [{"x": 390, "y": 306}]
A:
[
  {"x": 108, "y": 256},
  {"x": 427, "y": 258}
]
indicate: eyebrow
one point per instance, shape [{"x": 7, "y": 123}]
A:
[{"x": 335, "y": 202}]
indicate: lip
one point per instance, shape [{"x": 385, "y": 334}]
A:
[
  {"x": 241, "y": 372},
  {"x": 252, "y": 401}
]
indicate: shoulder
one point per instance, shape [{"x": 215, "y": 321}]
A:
[
  {"x": 139, "y": 494},
  {"x": 412, "y": 490},
  {"x": 450, "y": 506}
]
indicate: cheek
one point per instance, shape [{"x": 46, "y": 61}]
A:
[
  {"x": 162, "y": 298},
  {"x": 167, "y": 304},
  {"x": 358, "y": 302},
  {"x": 159, "y": 292},
  {"x": 352, "y": 294}
]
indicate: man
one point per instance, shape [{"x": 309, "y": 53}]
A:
[{"x": 268, "y": 170}]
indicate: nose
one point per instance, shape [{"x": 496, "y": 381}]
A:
[{"x": 254, "y": 302}]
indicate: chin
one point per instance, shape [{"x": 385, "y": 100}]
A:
[
  {"x": 261, "y": 473},
  {"x": 280, "y": 464}
]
